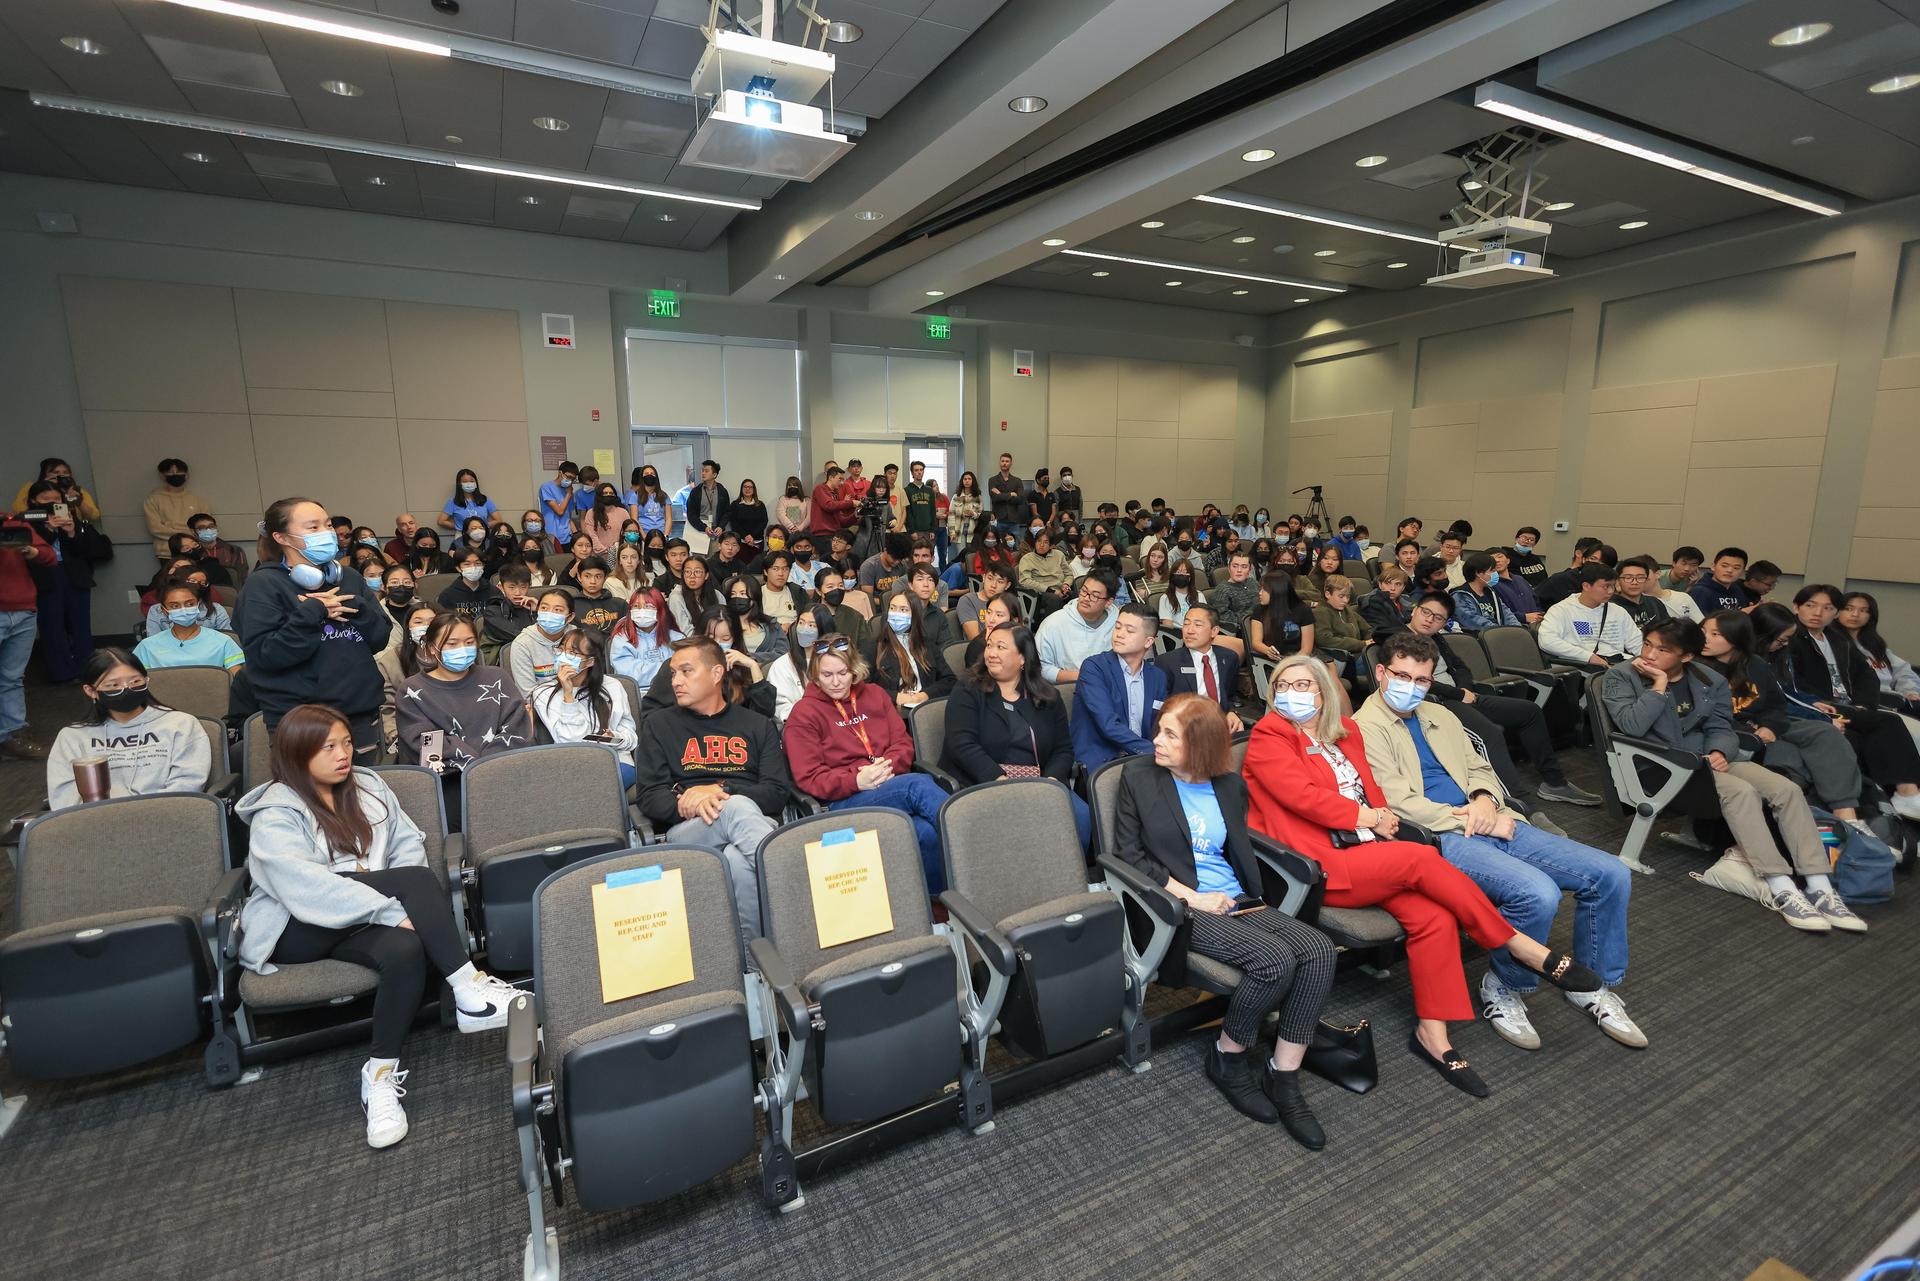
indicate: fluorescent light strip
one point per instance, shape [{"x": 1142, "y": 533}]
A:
[
  {"x": 356, "y": 146},
  {"x": 1314, "y": 215},
  {"x": 1517, "y": 104},
  {"x": 1207, "y": 271},
  {"x": 323, "y": 26}
]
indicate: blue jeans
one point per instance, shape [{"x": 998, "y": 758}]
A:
[
  {"x": 919, "y": 797},
  {"x": 1524, "y": 877},
  {"x": 627, "y": 774},
  {"x": 16, "y": 647},
  {"x": 66, "y": 629}
]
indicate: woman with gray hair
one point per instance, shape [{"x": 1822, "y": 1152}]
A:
[{"x": 1309, "y": 787}]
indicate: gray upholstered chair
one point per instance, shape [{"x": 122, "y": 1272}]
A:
[
  {"x": 428, "y": 588},
  {"x": 221, "y": 780},
  {"x": 636, "y": 1099},
  {"x": 525, "y": 814},
  {"x": 927, "y": 725},
  {"x": 110, "y": 964},
  {"x": 194, "y": 689},
  {"x": 956, "y": 655},
  {"x": 418, "y": 790},
  {"x": 256, "y": 753},
  {"x": 1012, "y": 848}
]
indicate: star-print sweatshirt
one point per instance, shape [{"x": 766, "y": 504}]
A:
[{"x": 479, "y": 713}]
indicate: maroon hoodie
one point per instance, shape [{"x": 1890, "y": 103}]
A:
[
  {"x": 16, "y": 584},
  {"x": 823, "y": 742}
]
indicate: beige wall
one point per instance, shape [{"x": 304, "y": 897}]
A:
[{"x": 1100, "y": 409}]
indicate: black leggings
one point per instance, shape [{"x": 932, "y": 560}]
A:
[
  {"x": 399, "y": 956},
  {"x": 1886, "y": 751}
]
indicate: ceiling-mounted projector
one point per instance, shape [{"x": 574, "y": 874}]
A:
[
  {"x": 758, "y": 119},
  {"x": 1495, "y": 261}
]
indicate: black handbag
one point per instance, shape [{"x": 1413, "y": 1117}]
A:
[{"x": 1344, "y": 1055}]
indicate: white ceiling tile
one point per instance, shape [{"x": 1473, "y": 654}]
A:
[
  {"x": 214, "y": 65},
  {"x": 492, "y": 18},
  {"x": 585, "y": 30},
  {"x": 631, "y": 166},
  {"x": 636, "y": 122},
  {"x": 879, "y": 93},
  {"x": 670, "y": 49},
  {"x": 924, "y": 46},
  {"x": 527, "y": 97},
  {"x": 239, "y": 104}
]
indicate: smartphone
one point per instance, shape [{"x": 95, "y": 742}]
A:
[
  {"x": 16, "y": 536},
  {"x": 1246, "y": 903},
  {"x": 62, "y": 512},
  {"x": 433, "y": 747}
]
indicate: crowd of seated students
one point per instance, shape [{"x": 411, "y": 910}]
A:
[{"x": 771, "y": 668}]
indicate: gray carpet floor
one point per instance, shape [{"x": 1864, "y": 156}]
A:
[{"x": 1774, "y": 1115}]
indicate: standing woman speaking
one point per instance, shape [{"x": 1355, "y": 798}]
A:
[{"x": 310, "y": 631}]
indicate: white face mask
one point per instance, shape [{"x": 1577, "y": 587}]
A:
[
  {"x": 472, "y": 572},
  {"x": 644, "y": 619}
]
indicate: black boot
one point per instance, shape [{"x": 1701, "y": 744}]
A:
[
  {"x": 1234, "y": 1076},
  {"x": 1283, "y": 1090}
]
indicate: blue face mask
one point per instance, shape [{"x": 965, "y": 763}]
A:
[
  {"x": 468, "y": 487},
  {"x": 321, "y": 546},
  {"x": 1402, "y": 696},
  {"x": 551, "y": 623},
  {"x": 207, "y": 535},
  {"x": 630, "y": 537},
  {"x": 1493, "y": 577},
  {"x": 532, "y": 526},
  {"x": 458, "y": 658},
  {"x": 1297, "y": 706},
  {"x": 1522, "y": 548},
  {"x": 184, "y": 617},
  {"x": 569, "y": 661},
  {"x": 900, "y": 623}
]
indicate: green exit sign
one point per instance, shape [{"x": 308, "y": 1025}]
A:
[
  {"x": 939, "y": 327},
  {"x": 663, "y": 303}
]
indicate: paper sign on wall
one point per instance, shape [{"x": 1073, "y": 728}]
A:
[
  {"x": 640, "y": 926},
  {"x": 604, "y": 462},
  {"x": 849, "y": 887}
]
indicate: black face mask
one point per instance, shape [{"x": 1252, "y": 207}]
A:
[
  {"x": 1183, "y": 584},
  {"x": 399, "y": 595},
  {"x": 739, "y": 605},
  {"x": 835, "y": 596},
  {"x": 793, "y": 491},
  {"x": 426, "y": 549},
  {"x": 532, "y": 556},
  {"x": 125, "y": 700},
  {"x": 803, "y": 558},
  {"x": 175, "y": 478}
]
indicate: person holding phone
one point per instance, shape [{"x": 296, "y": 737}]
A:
[
  {"x": 309, "y": 629},
  {"x": 457, "y": 709},
  {"x": 1181, "y": 818},
  {"x": 580, "y": 705},
  {"x": 66, "y": 588}
]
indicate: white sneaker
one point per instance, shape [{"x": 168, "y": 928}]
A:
[
  {"x": 1611, "y": 1015},
  {"x": 481, "y": 1003},
  {"x": 1800, "y": 914},
  {"x": 1503, "y": 1008},
  {"x": 380, "y": 1093},
  {"x": 1831, "y": 906},
  {"x": 1906, "y": 806}
]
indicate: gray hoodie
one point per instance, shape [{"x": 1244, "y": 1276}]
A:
[
  {"x": 292, "y": 867},
  {"x": 160, "y": 750}
]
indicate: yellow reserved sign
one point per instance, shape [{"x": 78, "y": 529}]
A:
[
  {"x": 640, "y": 923},
  {"x": 849, "y": 887}
]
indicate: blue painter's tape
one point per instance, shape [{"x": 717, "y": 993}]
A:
[
  {"x": 844, "y": 836},
  {"x": 633, "y": 876}
]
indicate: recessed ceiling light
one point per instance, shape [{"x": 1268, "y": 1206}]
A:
[
  {"x": 1241, "y": 293},
  {"x": 1152, "y": 224},
  {"x": 1805, "y": 33},
  {"x": 1027, "y": 104},
  {"x": 1369, "y": 162},
  {"x": 1101, "y": 275},
  {"x": 1635, "y": 225},
  {"x": 1894, "y": 84},
  {"x": 1283, "y": 249},
  {"x": 1471, "y": 185},
  {"x": 1395, "y": 266},
  {"x": 552, "y": 124},
  {"x": 198, "y": 157},
  {"x": 455, "y": 138},
  {"x": 1803, "y": 140},
  {"x": 668, "y": 218},
  {"x": 1557, "y": 206},
  {"x": 80, "y": 44},
  {"x": 1243, "y": 240},
  {"x": 844, "y": 32},
  {"x": 1053, "y": 242},
  {"x": 376, "y": 182},
  {"x": 936, "y": 293},
  {"x": 529, "y": 200},
  {"x": 1303, "y": 300},
  {"x": 1172, "y": 283},
  {"x": 869, "y": 215},
  {"x": 1325, "y": 253},
  {"x": 342, "y": 88},
  {"x": 1257, "y": 155}
]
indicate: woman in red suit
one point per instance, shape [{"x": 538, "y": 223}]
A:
[{"x": 1307, "y": 777}]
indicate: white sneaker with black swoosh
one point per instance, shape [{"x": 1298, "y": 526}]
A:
[{"x": 482, "y": 1002}]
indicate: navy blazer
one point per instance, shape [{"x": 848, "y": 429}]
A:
[
  {"x": 1099, "y": 722},
  {"x": 1183, "y": 676}
]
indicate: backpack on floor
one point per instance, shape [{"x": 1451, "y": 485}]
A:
[
  {"x": 1899, "y": 836},
  {"x": 1862, "y": 865}
]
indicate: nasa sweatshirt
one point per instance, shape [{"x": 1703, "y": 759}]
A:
[{"x": 160, "y": 750}]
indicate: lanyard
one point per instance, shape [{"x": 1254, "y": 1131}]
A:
[{"x": 858, "y": 726}]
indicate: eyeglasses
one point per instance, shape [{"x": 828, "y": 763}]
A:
[
  {"x": 1436, "y": 615},
  {"x": 1423, "y": 682},
  {"x": 827, "y": 644},
  {"x": 1093, "y": 597},
  {"x": 1305, "y": 685}
]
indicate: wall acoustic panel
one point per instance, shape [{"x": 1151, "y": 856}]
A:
[
  {"x": 495, "y": 451},
  {"x": 1886, "y": 532},
  {"x": 1125, "y": 427},
  {"x": 125, "y": 444},
  {"x": 1765, "y": 320},
  {"x": 1492, "y": 461},
  {"x": 314, "y": 341},
  {"x": 1083, "y": 395},
  {"x": 1518, "y": 359},
  {"x": 350, "y": 466},
  {"x": 1347, "y": 456},
  {"x": 457, "y": 362},
  {"x": 154, "y": 345},
  {"x": 1356, "y": 382},
  {"x": 1148, "y": 390}
]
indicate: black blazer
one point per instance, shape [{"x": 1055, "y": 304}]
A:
[
  {"x": 1177, "y": 664},
  {"x": 936, "y": 679},
  {"x": 1151, "y": 832},
  {"x": 981, "y": 735},
  {"x": 1385, "y": 614}
]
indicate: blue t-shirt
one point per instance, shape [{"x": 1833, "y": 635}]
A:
[
  {"x": 462, "y": 507},
  {"x": 552, "y": 495},
  {"x": 1435, "y": 782},
  {"x": 1209, "y": 829},
  {"x": 207, "y": 648},
  {"x": 653, "y": 513}
]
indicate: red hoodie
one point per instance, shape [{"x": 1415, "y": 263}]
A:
[
  {"x": 16, "y": 584},
  {"x": 825, "y": 750}
]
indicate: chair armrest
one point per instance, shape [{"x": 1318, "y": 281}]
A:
[
  {"x": 1677, "y": 757},
  {"x": 523, "y": 1053},
  {"x": 1412, "y": 831},
  {"x": 1153, "y": 898},
  {"x": 1300, "y": 874},
  {"x": 800, "y": 805},
  {"x": 228, "y": 897},
  {"x": 1526, "y": 673},
  {"x": 937, "y": 774},
  {"x": 994, "y": 947},
  {"x": 793, "y": 1007}
]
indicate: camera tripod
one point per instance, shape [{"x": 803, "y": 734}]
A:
[{"x": 1316, "y": 513}]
